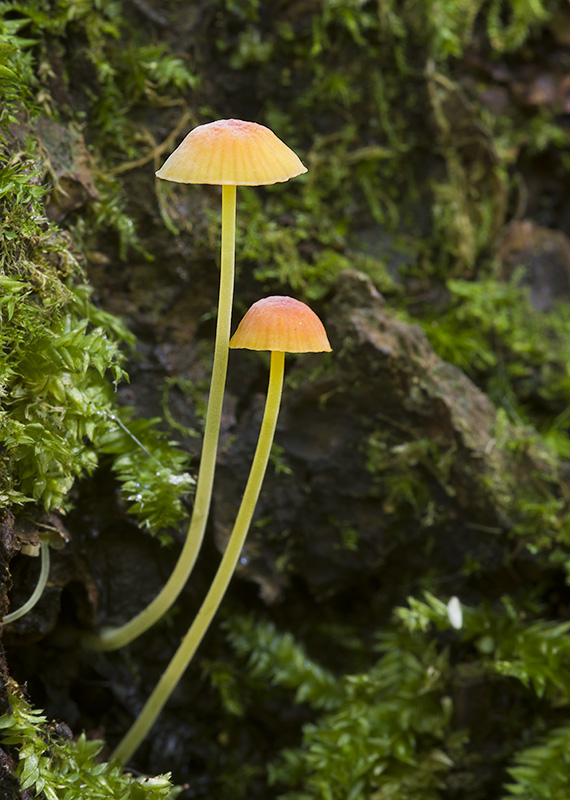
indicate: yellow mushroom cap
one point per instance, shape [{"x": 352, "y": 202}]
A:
[
  {"x": 281, "y": 323},
  {"x": 231, "y": 152}
]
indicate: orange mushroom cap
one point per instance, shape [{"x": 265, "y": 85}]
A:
[
  {"x": 281, "y": 323},
  {"x": 231, "y": 152}
]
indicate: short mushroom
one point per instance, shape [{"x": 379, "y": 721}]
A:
[
  {"x": 43, "y": 549},
  {"x": 279, "y": 324},
  {"x": 230, "y": 153}
]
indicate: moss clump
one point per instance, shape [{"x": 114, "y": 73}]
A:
[
  {"x": 375, "y": 99},
  {"x": 381, "y": 732},
  {"x": 78, "y": 64},
  {"x": 400, "y": 724},
  {"x": 61, "y": 355},
  {"x": 520, "y": 357},
  {"x": 517, "y": 354},
  {"x": 59, "y": 768},
  {"x": 405, "y": 471}
]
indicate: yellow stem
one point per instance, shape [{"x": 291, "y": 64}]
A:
[
  {"x": 113, "y": 638},
  {"x": 191, "y": 641}
]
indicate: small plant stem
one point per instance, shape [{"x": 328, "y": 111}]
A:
[
  {"x": 191, "y": 641},
  {"x": 113, "y": 638},
  {"x": 38, "y": 591}
]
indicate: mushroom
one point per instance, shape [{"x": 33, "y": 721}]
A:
[
  {"x": 230, "y": 153},
  {"x": 43, "y": 551},
  {"x": 279, "y": 324}
]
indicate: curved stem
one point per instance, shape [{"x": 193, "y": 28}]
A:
[
  {"x": 38, "y": 591},
  {"x": 112, "y": 638},
  {"x": 189, "y": 645}
]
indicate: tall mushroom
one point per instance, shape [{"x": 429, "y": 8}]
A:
[
  {"x": 230, "y": 153},
  {"x": 279, "y": 324}
]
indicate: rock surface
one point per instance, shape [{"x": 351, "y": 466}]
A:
[{"x": 389, "y": 446}]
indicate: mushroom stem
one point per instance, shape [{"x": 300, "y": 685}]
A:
[
  {"x": 38, "y": 591},
  {"x": 113, "y": 638},
  {"x": 198, "y": 628}
]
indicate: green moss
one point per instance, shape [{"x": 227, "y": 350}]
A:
[
  {"x": 405, "y": 475},
  {"x": 517, "y": 354},
  {"x": 108, "y": 80},
  {"x": 59, "y": 768},
  {"x": 59, "y": 358},
  {"x": 376, "y": 733},
  {"x": 60, "y": 355},
  {"x": 513, "y": 642},
  {"x": 388, "y": 729},
  {"x": 362, "y": 81},
  {"x": 368, "y": 79},
  {"x": 122, "y": 78},
  {"x": 541, "y": 770}
]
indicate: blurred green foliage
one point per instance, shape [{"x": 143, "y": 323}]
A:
[
  {"x": 372, "y": 93},
  {"x": 391, "y": 729}
]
